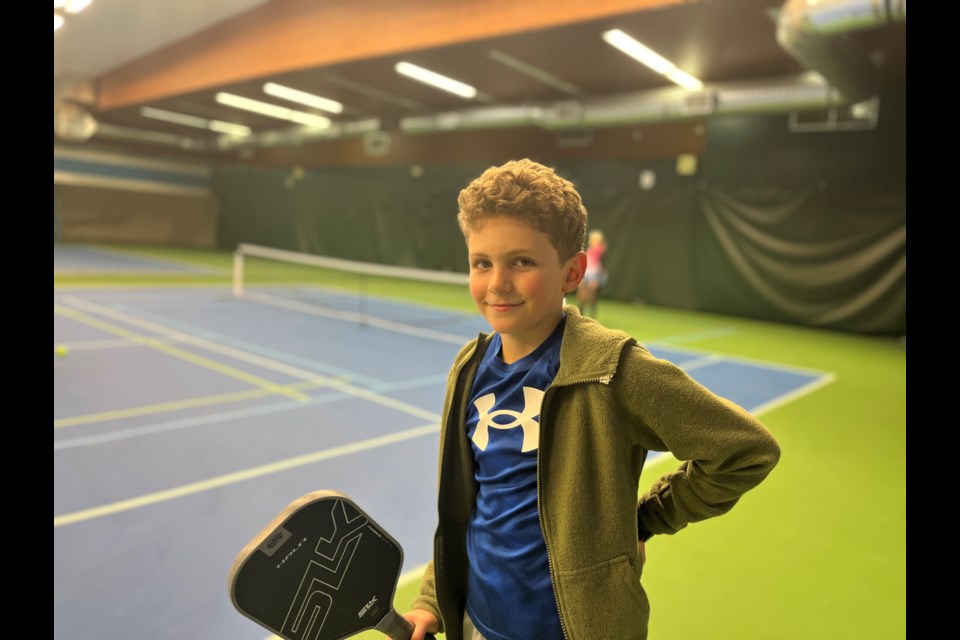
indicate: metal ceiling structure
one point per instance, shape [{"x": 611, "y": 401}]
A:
[{"x": 535, "y": 64}]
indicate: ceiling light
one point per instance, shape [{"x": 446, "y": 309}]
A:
[
  {"x": 273, "y": 111},
  {"x": 302, "y": 97},
  {"x": 643, "y": 54},
  {"x": 235, "y": 130},
  {"x": 71, "y": 6},
  {"x": 193, "y": 121},
  {"x": 176, "y": 118},
  {"x": 684, "y": 79},
  {"x": 435, "y": 79}
]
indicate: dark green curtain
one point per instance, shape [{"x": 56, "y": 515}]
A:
[{"x": 805, "y": 228}]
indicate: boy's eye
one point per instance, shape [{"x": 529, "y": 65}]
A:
[
  {"x": 524, "y": 262},
  {"x": 481, "y": 264}
]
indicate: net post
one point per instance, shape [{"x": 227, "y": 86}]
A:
[{"x": 238, "y": 271}]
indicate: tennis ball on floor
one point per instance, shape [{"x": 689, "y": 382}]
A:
[{"x": 61, "y": 350}]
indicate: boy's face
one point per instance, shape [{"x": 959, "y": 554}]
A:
[{"x": 518, "y": 282}]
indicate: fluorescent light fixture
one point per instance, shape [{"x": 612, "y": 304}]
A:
[
  {"x": 435, "y": 79},
  {"x": 685, "y": 80},
  {"x": 302, "y": 97},
  {"x": 73, "y": 6},
  {"x": 273, "y": 111},
  {"x": 193, "y": 121},
  {"x": 643, "y": 54},
  {"x": 176, "y": 118},
  {"x": 230, "y": 129}
]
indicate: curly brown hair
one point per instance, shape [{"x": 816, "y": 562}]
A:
[{"x": 531, "y": 192}]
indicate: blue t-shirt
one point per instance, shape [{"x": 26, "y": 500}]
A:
[{"x": 509, "y": 592}]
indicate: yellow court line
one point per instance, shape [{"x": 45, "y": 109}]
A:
[
  {"x": 240, "y": 476},
  {"x": 245, "y": 356},
  {"x": 180, "y": 353},
  {"x": 175, "y": 405}
]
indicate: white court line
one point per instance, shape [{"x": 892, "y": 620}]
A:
[
  {"x": 657, "y": 458},
  {"x": 705, "y": 361},
  {"x": 241, "y": 476},
  {"x": 184, "y": 423},
  {"x": 770, "y": 364},
  {"x": 251, "y": 358},
  {"x": 779, "y": 401},
  {"x": 301, "y": 460}
]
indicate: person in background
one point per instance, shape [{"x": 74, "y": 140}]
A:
[
  {"x": 547, "y": 422},
  {"x": 595, "y": 276}
]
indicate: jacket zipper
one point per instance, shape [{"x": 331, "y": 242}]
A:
[
  {"x": 543, "y": 532},
  {"x": 438, "y": 568}
]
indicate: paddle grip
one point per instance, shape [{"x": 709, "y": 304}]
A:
[{"x": 397, "y": 627}]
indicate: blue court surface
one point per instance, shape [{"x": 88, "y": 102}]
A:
[{"x": 186, "y": 419}]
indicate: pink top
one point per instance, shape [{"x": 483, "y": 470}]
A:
[{"x": 595, "y": 258}]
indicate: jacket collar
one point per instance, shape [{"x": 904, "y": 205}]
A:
[{"x": 589, "y": 351}]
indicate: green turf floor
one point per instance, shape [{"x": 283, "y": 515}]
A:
[{"x": 816, "y": 552}]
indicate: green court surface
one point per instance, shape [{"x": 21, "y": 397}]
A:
[{"x": 816, "y": 551}]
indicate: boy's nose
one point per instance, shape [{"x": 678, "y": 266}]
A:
[{"x": 500, "y": 281}]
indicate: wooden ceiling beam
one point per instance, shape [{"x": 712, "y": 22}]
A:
[{"x": 290, "y": 35}]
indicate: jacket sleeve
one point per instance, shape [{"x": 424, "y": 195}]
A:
[
  {"x": 427, "y": 599},
  {"x": 724, "y": 450}
]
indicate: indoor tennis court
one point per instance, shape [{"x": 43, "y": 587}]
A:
[
  {"x": 186, "y": 417},
  {"x": 260, "y": 283}
]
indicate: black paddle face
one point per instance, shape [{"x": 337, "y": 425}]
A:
[{"x": 321, "y": 570}]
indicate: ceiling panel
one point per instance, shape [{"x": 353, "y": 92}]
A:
[{"x": 719, "y": 42}]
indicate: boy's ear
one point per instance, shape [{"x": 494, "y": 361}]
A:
[{"x": 576, "y": 266}]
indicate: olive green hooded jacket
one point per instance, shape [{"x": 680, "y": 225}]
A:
[{"x": 610, "y": 404}]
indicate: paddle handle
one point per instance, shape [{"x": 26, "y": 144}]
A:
[{"x": 397, "y": 627}]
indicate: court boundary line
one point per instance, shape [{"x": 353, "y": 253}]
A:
[
  {"x": 235, "y": 477},
  {"x": 770, "y": 364},
  {"x": 363, "y": 445}
]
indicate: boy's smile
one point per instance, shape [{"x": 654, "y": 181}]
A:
[{"x": 518, "y": 282}]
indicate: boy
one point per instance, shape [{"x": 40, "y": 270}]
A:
[{"x": 546, "y": 425}]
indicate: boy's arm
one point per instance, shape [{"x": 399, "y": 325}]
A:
[
  {"x": 725, "y": 451},
  {"x": 427, "y": 599}
]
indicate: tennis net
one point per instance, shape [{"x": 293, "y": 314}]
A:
[{"x": 365, "y": 292}]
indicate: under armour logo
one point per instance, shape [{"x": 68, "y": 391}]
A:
[{"x": 526, "y": 420}]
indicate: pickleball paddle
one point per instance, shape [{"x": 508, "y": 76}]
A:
[{"x": 322, "y": 569}]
